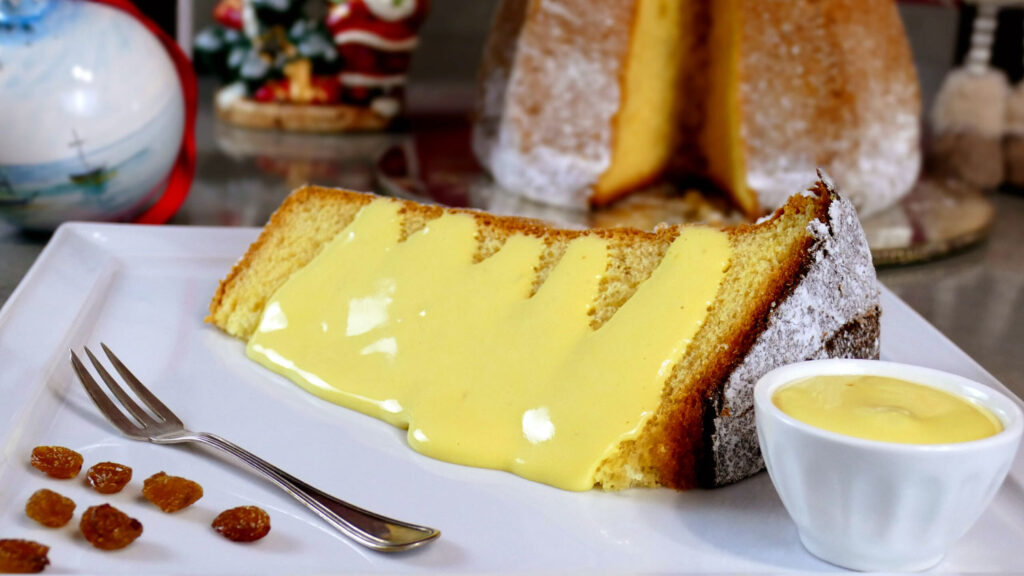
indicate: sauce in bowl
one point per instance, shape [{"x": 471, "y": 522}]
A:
[{"x": 885, "y": 409}]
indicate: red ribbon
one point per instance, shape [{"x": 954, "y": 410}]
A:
[{"x": 180, "y": 180}]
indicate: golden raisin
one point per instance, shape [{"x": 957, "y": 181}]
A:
[
  {"x": 107, "y": 528},
  {"x": 22, "y": 556},
  {"x": 108, "y": 477},
  {"x": 57, "y": 461},
  {"x": 50, "y": 508},
  {"x": 171, "y": 493},
  {"x": 242, "y": 524}
]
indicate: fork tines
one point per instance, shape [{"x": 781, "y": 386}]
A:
[{"x": 143, "y": 419}]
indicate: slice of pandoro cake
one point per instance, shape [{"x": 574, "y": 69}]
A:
[{"x": 613, "y": 358}]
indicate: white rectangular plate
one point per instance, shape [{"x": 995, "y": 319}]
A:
[{"x": 144, "y": 291}]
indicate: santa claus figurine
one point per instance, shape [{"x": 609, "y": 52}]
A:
[
  {"x": 346, "y": 72},
  {"x": 375, "y": 39}
]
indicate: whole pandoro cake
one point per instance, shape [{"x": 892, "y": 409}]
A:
[
  {"x": 583, "y": 101},
  {"x": 612, "y": 358}
]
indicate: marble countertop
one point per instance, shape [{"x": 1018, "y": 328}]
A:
[{"x": 975, "y": 297}]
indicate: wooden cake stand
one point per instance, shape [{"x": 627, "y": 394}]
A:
[{"x": 234, "y": 108}]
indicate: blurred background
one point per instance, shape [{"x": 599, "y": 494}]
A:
[
  {"x": 452, "y": 40},
  {"x": 442, "y": 81}
]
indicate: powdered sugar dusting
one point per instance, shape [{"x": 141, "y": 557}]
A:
[
  {"x": 499, "y": 56},
  {"x": 858, "y": 116},
  {"x": 839, "y": 287},
  {"x": 553, "y": 139}
]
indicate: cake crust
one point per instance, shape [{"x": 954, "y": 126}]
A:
[
  {"x": 846, "y": 98},
  {"x": 830, "y": 309},
  {"x": 549, "y": 94},
  {"x": 822, "y": 303}
]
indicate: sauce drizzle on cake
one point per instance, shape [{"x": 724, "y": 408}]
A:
[{"x": 482, "y": 366}]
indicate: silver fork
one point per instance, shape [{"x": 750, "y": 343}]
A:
[{"x": 163, "y": 427}]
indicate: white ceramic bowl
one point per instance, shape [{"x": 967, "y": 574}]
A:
[{"x": 870, "y": 505}]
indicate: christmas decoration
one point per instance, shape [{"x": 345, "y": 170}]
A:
[
  {"x": 969, "y": 115},
  {"x": 97, "y": 108},
  {"x": 285, "y": 70}
]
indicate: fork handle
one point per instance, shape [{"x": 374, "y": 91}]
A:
[{"x": 367, "y": 528}]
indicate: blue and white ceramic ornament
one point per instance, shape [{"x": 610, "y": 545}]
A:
[{"x": 92, "y": 113}]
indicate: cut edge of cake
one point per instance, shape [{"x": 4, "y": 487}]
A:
[
  {"x": 644, "y": 127},
  {"x": 822, "y": 303}
]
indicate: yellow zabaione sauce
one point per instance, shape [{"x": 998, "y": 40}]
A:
[
  {"x": 885, "y": 409},
  {"x": 460, "y": 354}
]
